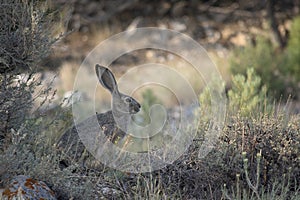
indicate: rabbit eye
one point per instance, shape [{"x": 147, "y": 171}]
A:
[{"x": 128, "y": 100}]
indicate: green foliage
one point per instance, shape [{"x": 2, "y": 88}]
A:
[
  {"x": 30, "y": 148},
  {"x": 274, "y": 138},
  {"x": 214, "y": 91},
  {"x": 246, "y": 93},
  {"x": 149, "y": 99},
  {"x": 293, "y": 50},
  {"x": 259, "y": 57},
  {"x": 212, "y": 109},
  {"x": 259, "y": 128},
  {"x": 278, "y": 71}
]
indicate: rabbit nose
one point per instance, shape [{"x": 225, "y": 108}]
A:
[{"x": 137, "y": 108}]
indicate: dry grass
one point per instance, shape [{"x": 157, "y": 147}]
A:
[{"x": 28, "y": 141}]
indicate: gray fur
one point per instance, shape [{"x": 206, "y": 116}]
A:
[{"x": 123, "y": 107}]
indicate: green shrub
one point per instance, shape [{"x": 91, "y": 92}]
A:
[
  {"x": 149, "y": 99},
  {"x": 278, "y": 70},
  {"x": 25, "y": 35},
  {"x": 25, "y": 135},
  {"x": 293, "y": 50},
  {"x": 246, "y": 93},
  {"x": 260, "y": 57},
  {"x": 25, "y": 39},
  {"x": 274, "y": 134},
  {"x": 253, "y": 125},
  {"x": 32, "y": 153}
]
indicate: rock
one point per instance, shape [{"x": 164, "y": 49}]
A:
[
  {"x": 240, "y": 39},
  {"x": 23, "y": 187},
  {"x": 178, "y": 26}
]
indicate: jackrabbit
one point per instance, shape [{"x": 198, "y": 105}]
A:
[{"x": 113, "y": 123}]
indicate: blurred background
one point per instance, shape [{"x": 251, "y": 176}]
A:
[
  {"x": 255, "y": 46},
  {"x": 237, "y": 35}
]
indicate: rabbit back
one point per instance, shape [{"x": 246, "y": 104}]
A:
[{"x": 73, "y": 148}]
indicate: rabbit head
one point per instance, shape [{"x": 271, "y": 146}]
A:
[{"x": 122, "y": 105}]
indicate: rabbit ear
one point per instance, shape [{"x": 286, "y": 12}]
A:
[{"x": 106, "y": 78}]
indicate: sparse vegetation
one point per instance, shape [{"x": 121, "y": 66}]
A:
[
  {"x": 25, "y": 40},
  {"x": 247, "y": 94},
  {"x": 279, "y": 71},
  {"x": 149, "y": 99},
  {"x": 292, "y": 56},
  {"x": 265, "y": 134},
  {"x": 256, "y": 156}
]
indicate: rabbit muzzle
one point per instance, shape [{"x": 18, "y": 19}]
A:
[{"x": 135, "y": 108}]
